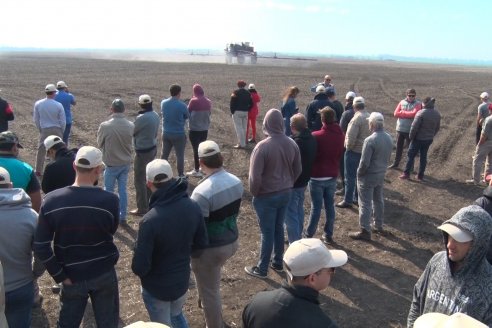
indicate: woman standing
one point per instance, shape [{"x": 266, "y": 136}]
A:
[
  {"x": 289, "y": 107},
  {"x": 253, "y": 113}
]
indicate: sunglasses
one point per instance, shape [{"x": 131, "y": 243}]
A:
[{"x": 412, "y": 96}]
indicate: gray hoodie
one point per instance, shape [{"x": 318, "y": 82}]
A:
[
  {"x": 18, "y": 221},
  {"x": 468, "y": 290}
]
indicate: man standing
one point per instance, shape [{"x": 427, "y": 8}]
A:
[
  {"x": 483, "y": 152},
  {"x": 59, "y": 172},
  {"x": 18, "y": 221},
  {"x": 482, "y": 114},
  {"x": 376, "y": 153},
  {"x": 275, "y": 165},
  {"x": 294, "y": 218},
  {"x": 335, "y": 104},
  {"x": 49, "y": 117},
  {"x": 219, "y": 196},
  {"x": 67, "y": 100},
  {"x": 145, "y": 144},
  {"x": 405, "y": 111},
  {"x": 310, "y": 268},
  {"x": 240, "y": 105},
  {"x": 324, "y": 174},
  {"x": 458, "y": 279},
  {"x": 6, "y": 114},
  {"x": 325, "y": 84},
  {"x": 80, "y": 220},
  {"x": 174, "y": 116},
  {"x": 357, "y": 132},
  {"x": 114, "y": 138},
  {"x": 347, "y": 116},
  {"x": 21, "y": 174},
  {"x": 312, "y": 110},
  {"x": 168, "y": 234}
]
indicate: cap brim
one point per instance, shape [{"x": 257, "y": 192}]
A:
[
  {"x": 458, "y": 234},
  {"x": 19, "y": 145},
  {"x": 338, "y": 258}
]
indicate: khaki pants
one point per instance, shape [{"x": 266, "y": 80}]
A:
[{"x": 483, "y": 152}]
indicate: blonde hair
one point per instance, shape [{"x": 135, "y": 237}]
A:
[{"x": 291, "y": 92}]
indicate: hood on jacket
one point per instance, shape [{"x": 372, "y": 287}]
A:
[
  {"x": 273, "y": 123},
  {"x": 198, "y": 90},
  {"x": 478, "y": 222},
  {"x": 171, "y": 191},
  {"x": 14, "y": 198}
]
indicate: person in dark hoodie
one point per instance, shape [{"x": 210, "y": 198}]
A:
[
  {"x": 312, "y": 110},
  {"x": 240, "y": 105},
  {"x": 324, "y": 174},
  {"x": 485, "y": 202},
  {"x": 458, "y": 279},
  {"x": 168, "y": 234},
  {"x": 294, "y": 219},
  {"x": 275, "y": 164},
  {"x": 59, "y": 172},
  {"x": 200, "y": 109}
]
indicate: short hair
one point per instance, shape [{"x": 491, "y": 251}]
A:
[
  {"x": 298, "y": 121},
  {"x": 174, "y": 89},
  {"x": 214, "y": 161},
  {"x": 50, "y": 93},
  {"x": 146, "y": 106},
  {"x": 241, "y": 84},
  {"x": 378, "y": 125},
  {"x": 359, "y": 105},
  {"x": 159, "y": 178},
  {"x": 83, "y": 170},
  {"x": 327, "y": 115},
  {"x": 411, "y": 92}
]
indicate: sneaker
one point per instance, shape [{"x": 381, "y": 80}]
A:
[
  {"x": 361, "y": 235},
  {"x": 251, "y": 140},
  {"x": 255, "y": 272},
  {"x": 238, "y": 147},
  {"x": 195, "y": 173},
  {"x": 340, "y": 192},
  {"x": 471, "y": 181},
  {"x": 404, "y": 176},
  {"x": 343, "y": 204},
  {"x": 393, "y": 166},
  {"x": 136, "y": 212},
  {"x": 327, "y": 240},
  {"x": 279, "y": 268}
]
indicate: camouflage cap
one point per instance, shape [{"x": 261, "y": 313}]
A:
[{"x": 9, "y": 137}]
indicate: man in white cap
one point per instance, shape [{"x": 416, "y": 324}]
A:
[
  {"x": 18, "y": 221},
  {"x": 376, "y": 153},
  {"x": 483, "y": 153},
  {"x": 49, "y": 117},
  {"x": 81, "y": 220},
  {"x": 312, "y": 110},
  {"x": 219, "y": 196},
  {"x": 310, "y": 267},
  {"x": 168, "y": 233},
  {"x": 67, "y": 100},
  {"x": 59, "y": 172},
  {"x": 458, "y": 279},
  {"x": 482, "y": 114},
  {"x": 145, "y": 130}
]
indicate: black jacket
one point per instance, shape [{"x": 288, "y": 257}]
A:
[
  {"x": 307, "y": 146},
  {"x": 6, "y": 114},
  {"x": 168, "y": 233},
  {"x": 485, "y": 202},
  {"x": 60, "y": 172},
  {"x": 312, "y": 116},
  {"x": 241, "y": 101},
  {"x": 286, "y": 307},
  {"x": 338, "y": 108}
]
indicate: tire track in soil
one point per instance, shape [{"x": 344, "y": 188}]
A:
[{"x": 386, "y": 92}]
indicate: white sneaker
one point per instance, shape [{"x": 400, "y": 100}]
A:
[{"x": 195, "y": 173}]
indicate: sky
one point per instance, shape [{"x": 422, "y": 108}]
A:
[{"x": 419, "y": 28}]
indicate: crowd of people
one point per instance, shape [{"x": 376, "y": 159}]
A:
[{"x": 74, "y": 222}]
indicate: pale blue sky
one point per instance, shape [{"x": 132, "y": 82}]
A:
[{"x": 422, "y": 28}]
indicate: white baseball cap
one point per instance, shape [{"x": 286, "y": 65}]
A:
[
  {"x": 359, "y": 100},
  {"x": 376, "y": 117},
  {"x": 484, "y": 95},
  {"x": 157, "y": 167},
  {"x": 458, "y": 234},
  {"x": 208, "y": 148},
  {"x": 50, "y": 88},
  {"x": 4, "y": 176},
  {"x": 320, "y": 89},
  {"x": 61, "y": 84},
  {"x": 309, "y": 255},
  {"x": 50, "y": 141},
  {"x": 144, "y": 99},
  {"x": 350, "y": 94},
  {"x": 88, "y": 157},
  {"x": 141, "y": 324},
  {"x": 440, "y": 320},
  {"x": 251, "y": 86}
]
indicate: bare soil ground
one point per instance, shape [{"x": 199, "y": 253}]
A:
[{"x": 375, "y": 288}]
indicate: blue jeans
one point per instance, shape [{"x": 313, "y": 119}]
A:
[
  {"x": 271, "y": 211},
  {"x": 66, "y": 133},
  {"x": 352, "y": 160},
  {"x": 415, "y": 147},
  {"x": 322, "y": 191},
  {"x": 294, "y": 219},
  {"x": 18, "y": 306},
  {"x": 102, "y": 290},
  {"x": 120, "y": 174},
  {"x": 371, "y": 201},
  {"x": 166, "y": 312}
]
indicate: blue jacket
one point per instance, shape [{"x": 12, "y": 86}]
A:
[{"x": 174, "y": 116}]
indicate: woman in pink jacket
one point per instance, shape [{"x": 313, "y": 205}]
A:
[{"x": 253, "y": 113}]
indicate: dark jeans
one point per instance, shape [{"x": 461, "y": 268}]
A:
[
  {"x": 400, "y": 144},
  {"x": 66, "y": 133},
  {"x": 477, "y": 134},
  {"x": 103, "y": 292},
  {"x": 196, "y": 137},
  {"x": 418, "y": 146},
  {"x": 18, "y": 306}
]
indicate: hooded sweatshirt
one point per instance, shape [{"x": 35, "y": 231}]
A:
[
  {"x": 200, "y": 109},
  {"x": 18, "y": 221},
  {"x": 168, "y": 233},
  {"x": 275, "y": 162},
  {"x": 467, "y": 290}
]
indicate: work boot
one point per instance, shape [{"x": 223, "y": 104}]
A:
[{"x": 361, "y": 235}]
